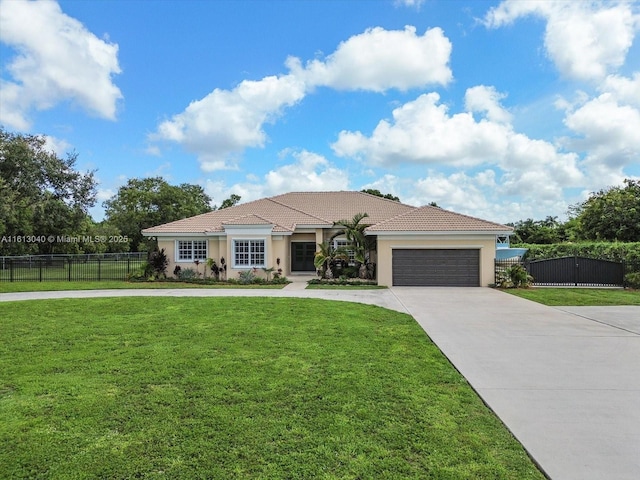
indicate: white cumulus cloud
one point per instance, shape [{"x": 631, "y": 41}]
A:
[
  {"x": 379, "y": 59},
  {"x": 57, "y": 59},
  {"x": 220, "y": 126},
  {"x": 624, "y": 89},
  {"x": 309, "y": 172},
  {"x": 484, "y": 99},
  {"x": 56, "y": 145},
  {"x": 459, "y": 191},
  {"x": 585, "y": 39},
  {"x": 422, "y": 131},
  {"x": 608, "y": 131},
  {"x": 225, "y": 122}
]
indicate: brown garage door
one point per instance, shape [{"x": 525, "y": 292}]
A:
[{"x": 436, "y": 267}]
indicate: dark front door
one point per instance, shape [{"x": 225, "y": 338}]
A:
[{"x": 302, "y": 254}]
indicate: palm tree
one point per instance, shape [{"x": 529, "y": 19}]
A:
[
  {"x": 353, "y": 230},
  {"x": 326, "y": 256}
]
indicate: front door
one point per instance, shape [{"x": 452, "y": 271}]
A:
[{"x": 302, "y": 254}]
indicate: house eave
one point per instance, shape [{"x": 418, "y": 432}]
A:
[
  {"x": 438, "y": 233},
  {"x": 176, "y": 234}
]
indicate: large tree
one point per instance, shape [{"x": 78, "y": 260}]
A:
[
  {"x": 611, "y": 214},
  {"x": 43, "y": 196},
  {"x": 544, "y": 231},
  {"x": 231, "y": 201},
  {"x": 143, "y": 203}
]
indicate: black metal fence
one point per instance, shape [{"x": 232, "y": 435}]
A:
[
  {"x": 86, "y": 267},
  {"x": 572, "y": 271}
]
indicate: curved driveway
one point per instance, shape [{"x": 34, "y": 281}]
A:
[{"x": 565, "y": 381}]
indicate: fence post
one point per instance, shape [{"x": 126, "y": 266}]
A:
[
  {"x": 70, "y": 260},
  {"x": 40, "y": 270},
  {"x": 99, "y": 269},
  {"x": 11, "y": 270},
  {"x": 575, "y": 270}
]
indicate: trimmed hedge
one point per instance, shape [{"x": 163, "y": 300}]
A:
[{"x": 617, "y": 251}]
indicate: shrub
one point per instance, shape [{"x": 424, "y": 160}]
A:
[
  {"x": 341, "y": 281},
  {"x": 246, "y": 277},
  {"x": 158, "y": 263},
  {"x": 143, "y": 273},
  {"x": 516, "y": 276},
  {"x": 187, "y": 274},
  {"x": 213, "y": 266},
  {"x": 632, "y": 280}
]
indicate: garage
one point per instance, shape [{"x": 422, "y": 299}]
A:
[{"x": 436, "y": 267}]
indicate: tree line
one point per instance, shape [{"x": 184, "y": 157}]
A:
[
  {"x": 45, "y": 202},
  {"x": 611, "y": 215}
]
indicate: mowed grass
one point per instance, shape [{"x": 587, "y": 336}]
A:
[
  {"x": 237, "y": 388},
  {"x": 558, "y": 297},
  {"x": 13, "y": 287}
]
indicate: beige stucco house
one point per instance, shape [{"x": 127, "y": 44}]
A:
[{"x": 416, "y": 246}]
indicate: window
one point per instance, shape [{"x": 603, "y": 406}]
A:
[
  {"x": 249, "y": 253},
  {"x": 337, "y": 243},
  {"x": 190, "y": 250}
]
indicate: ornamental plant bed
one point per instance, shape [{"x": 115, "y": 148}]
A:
[{"x": 319, "y": 283}]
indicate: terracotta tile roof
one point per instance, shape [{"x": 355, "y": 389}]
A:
[
  {"x": 264, "y": 211},
  {"x": 435, "y": 219},
  {"x": 248, "y": 220},
  {"x": 343, "y": 205},
  {"x": 291, "y": 210}
]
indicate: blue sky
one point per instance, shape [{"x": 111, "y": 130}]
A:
[{"x": 501, "y": 110}]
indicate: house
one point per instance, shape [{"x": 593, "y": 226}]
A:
[{"x": 425, "y": 246}]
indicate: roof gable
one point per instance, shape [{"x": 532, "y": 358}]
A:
[
  {"x": 262, "y": 212},
  {"x": 343, "y": 205}
]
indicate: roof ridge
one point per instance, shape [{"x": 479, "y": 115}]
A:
[
  {"x": 272, "y": 199},
  {"x": 248, "y": 215},
  {"x": 358, "y": 192}
]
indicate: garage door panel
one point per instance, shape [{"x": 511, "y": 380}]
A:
[{"x": 436, "y": 267}]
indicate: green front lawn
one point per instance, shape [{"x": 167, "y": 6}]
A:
[
  {"x": 237, "y": 388},
  {"x": 565, "y": 297},
  {"x": 10, "y": 287}
]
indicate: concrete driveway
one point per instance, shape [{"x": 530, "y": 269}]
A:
[{"x": 565, "y": 381}]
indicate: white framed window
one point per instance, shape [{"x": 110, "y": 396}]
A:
[
  {"x": 249, "y": 253},
  {"x": 342, "y": 242},
  {"x": 191, "y": 250}
]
